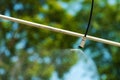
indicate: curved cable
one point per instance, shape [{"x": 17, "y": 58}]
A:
[{"x": 91, "y": 12}]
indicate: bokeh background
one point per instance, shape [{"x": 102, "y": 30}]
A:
[{"x": 28, "y": 53}]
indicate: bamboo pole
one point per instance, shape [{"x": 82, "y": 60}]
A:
[{"x": 60, "y": 30}]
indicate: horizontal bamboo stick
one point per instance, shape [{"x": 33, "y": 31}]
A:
[{"x": 60, "y": 30}]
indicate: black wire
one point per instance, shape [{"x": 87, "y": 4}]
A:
[{"x": 91, "y": 12}]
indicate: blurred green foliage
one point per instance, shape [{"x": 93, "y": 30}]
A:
[{"x": 16, "y": 60}]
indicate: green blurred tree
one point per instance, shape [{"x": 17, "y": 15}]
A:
[
  {"x": 39, "y": 43},
  {"x": 38, "y": 56},
  {"x": 105, "y": 24}
]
